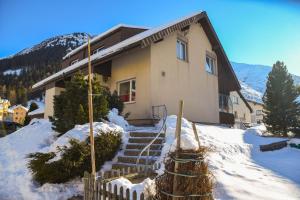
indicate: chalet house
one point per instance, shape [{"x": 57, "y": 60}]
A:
[
  {"x": 19, "y": 113},
  {"x": 159, "y": 66},
  {"x": 242, "y": 110}
]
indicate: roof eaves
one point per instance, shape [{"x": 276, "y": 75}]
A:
[{"x": 101, "y": 35}]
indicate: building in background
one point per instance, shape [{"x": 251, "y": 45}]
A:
[
  {"x": 4, "y": 108},
  {"x": 242, "y": 110},
  {"x": 19, "y": 113},
  {"x": 257, "y": 114}
]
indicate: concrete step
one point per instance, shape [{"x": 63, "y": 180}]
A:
[
  {"x": 134, "y": 152},
  {"x": 145, "y": 134},
  {"x": 133, "y": 160},
  {"x": 145, "y": 140},
  {"x": 141, "y": 146},
  {"x": 126, "y": 165}
]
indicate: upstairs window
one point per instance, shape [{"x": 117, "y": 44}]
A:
[
  {"x": 210, "y": 65},
  {"x": 74, "y": 61},
  {"x": 259, "y": 112},
  {"x": 97, "y": 50},
  {"x": 127, "y": 91},
  {"x": 235, "y": 100},
  {"x": 181, "y": 50}
]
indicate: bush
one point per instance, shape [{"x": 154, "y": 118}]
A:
[
  {"x": 74, "y": 160},
  {"x": 114, "y": 101}
]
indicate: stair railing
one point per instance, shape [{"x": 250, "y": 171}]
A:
[{"x": 163, "y": 129}]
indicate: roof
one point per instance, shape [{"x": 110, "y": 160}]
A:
[
  {"x": 143, "y": 39},
  {"x": 18, "y": 106},
  {"x": 101, "y": 35},
  {"x": 37, "y": 111}
]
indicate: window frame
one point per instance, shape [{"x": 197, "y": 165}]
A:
[
  {"x": 74, "y": 61},
  {"x": 235, "y": 100},
  {"x": 97, "y": 50},
  {"x": 130, "y": 89},
  {"x": 213, "y": 61},
  {"x": 258, "y": 112},
  {"x": 178, "y": 54}
]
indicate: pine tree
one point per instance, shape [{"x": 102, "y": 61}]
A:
[
  {"x": 280, "y": 106},
  {"x": 71, "y": 106}
]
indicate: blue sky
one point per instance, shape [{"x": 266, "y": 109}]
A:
[{"x": 254, "y": 32}]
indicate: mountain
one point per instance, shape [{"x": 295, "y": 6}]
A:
[
  {"x": 19, "y": 71},
  {"x": 253, "y": 79}
]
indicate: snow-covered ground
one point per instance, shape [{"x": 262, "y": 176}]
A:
[
  {"x": 16, "y": 180},
  {"x": 240, "y": 169}
]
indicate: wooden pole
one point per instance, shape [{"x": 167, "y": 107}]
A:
[
  {"x": 196, "y": 134},
  {"x": 177, "y": 132},
  {"x": 90, "y": 102}
]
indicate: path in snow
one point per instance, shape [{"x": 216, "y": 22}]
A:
[{"x": 243, "y": 172}]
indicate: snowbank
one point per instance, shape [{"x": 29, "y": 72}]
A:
[
  {"x": 114, "y": 117},
  {"x": 81, "y": 133},
  {"x": 16, "y": 181}
]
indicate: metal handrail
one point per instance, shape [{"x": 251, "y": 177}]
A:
[{"x": 163, "y": 128}]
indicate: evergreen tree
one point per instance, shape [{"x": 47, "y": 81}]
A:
[
  {"x": 280, "y": 106},
  {"x": 71, "y": 106}
]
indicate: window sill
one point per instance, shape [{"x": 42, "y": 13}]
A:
[
  {"x": 186, "y": 61},
  {"x": 130, "y": 102}
]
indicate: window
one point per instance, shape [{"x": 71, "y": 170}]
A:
[
  {"x": 210, "y": 65},
  {"x": 181, "y": 50},
  {"x": 259, "y": 112},
  {"x": 99, "y": 49},
  {"x": 74, "y": 61},
  {"x": 235, "y": 100},
  {"x": 126, "y": 91},
  {"x": 235, "y": 114}
]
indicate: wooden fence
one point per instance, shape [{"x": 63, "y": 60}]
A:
[{"x": 102, "y": 188}]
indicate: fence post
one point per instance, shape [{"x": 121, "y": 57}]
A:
[
  {"x": 134, "y": 195},
  {"x": 127, "y": 194},
  {"x": 121, "y": 193},
  {"x": 178, "y": 132}
]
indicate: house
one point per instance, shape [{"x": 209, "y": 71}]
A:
[
  {"x": 257, "y": 114},
  {"x": 183, "y": 59},
  {"x": 242, "y": 110},
  {"x": 4, "y": 105},
  {"x": 19, "y": 113}
]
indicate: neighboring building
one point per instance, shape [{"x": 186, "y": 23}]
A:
[
  {"x": 4, "y": 105},
  {"x": 38, "y": 113},
  {"x": 257, "y": 114},
  {"x": 149, "y": 67},
  {"x": 242, "y": 110},
  {"x": 19, "y": 113}
]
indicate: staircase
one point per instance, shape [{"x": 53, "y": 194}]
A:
[{"x": 138, "y": 141}]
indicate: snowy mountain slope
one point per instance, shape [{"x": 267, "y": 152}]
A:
[
  {"x": 255, "y": 76},
  {"x": 71, "y": 41},
  {"x": 253, "y": 79}
]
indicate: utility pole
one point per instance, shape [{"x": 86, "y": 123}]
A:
[{"x": 90, "y": 103}]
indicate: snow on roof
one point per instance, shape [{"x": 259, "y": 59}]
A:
[
  {"x": 100, "y": 36},
  {"x": 115, "y": 48},
  {"x": 40, "y": 110},
  {"x": 18, "y": 106}
]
